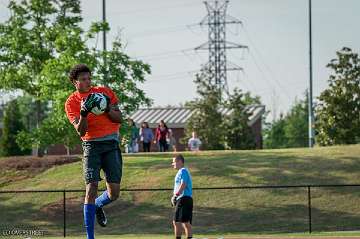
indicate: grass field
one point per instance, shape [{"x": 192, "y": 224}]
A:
[
  {"x": 233, "y": 236},
  {"x": 217, "y": 212},
  {"x": 333, "y": 235}
]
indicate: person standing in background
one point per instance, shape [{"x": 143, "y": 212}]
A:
[
  {"x": 133, "y": 146},
  {"x": 161, "y": 136},
  {"x": 146, "y": 135},
  {"x": 194, "y": 142},
  {"x": 172, "y": 141}
]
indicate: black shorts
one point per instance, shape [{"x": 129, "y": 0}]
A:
[
  {"x": 105, "y": 155},
  {"x": 184, "y": 210}
]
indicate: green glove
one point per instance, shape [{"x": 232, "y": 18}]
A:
[{"x": 87, "y": 105}]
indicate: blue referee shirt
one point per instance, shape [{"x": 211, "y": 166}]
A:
[{"x": 183, "y": 175}]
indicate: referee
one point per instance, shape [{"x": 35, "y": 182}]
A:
[{"x": 182, "y": 198}]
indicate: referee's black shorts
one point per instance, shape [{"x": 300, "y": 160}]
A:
[{"x": 184, "y": 210}]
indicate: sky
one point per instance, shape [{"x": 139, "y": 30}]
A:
[{"x": 164, "y": 34}]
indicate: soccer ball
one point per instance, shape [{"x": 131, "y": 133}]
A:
[{"x": 100, "y": 104}]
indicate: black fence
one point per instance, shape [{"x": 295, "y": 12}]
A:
[{"x": 305, "y": 189}]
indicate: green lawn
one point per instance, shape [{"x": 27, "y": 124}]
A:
[
  {"x": 216, "y": 212},
  {"x": 350, "y": 235}
]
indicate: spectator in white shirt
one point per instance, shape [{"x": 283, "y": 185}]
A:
[{"x": 194, "y": 143}]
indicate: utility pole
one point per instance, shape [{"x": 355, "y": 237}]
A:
[
  {"x": 216, "y": 20},
  {"x": 310, "y": 106},
  {"x": 104, "y": 20},
  {"x": 104, "y": 40}
]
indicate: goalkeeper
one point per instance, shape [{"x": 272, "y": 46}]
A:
[
  {"x": 100, "y": 142},
  {"x": 182, "y": 198}
]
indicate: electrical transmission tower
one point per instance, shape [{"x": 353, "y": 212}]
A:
[{"x": 216, "y": 20}]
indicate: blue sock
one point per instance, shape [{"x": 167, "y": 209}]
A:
[
  {"x": 89, "y": 219},
  {"x": 103, "y": 199}
]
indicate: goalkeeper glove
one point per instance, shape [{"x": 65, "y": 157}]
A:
[{"x": 87, "y": 105}]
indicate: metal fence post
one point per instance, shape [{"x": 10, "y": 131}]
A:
[
  {"x": 64, "y": 208},
  {"x": 309, "y": 208}
]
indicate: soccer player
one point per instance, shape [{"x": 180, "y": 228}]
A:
[
  {"x": 182, "y": 198},
  {"x": 100, "y": 142}
]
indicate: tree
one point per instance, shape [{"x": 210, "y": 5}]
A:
[
  {"x": 248, "y": 99},
  {"x": 338, "y": 110},
  {"x": 122, "y": 75},
  {"x": 239, "y": 134},
  {"x": 40, "y": 43},
  {"x": 274, "y": 135},
  {"x": 296, "y": 126},
  {"x": 28, "y": 106},
  {"x": 290, "y": 130},
  {"x": 12, "y": 125},
  {"x": 206, "y": 120},
  {"x": 216, "y": 129},
  {"x": 36, "y": 32}
]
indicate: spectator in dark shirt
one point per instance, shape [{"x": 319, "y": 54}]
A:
[{"x": 161, "y": 136}]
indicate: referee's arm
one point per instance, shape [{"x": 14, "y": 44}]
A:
[{"x": 181, "y": 188}]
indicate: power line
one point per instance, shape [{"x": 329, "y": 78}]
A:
[
  {"x": 263, "y": 62},
  {"x": 165, "y": 53},
  {"x": 252, "y": 86},
  {"x": 198, "y": 57},
  {"x": 191, "y": 26},
  {"x": 171, "y": 54},
  {"x": 170, "y": 77},
  {"x": 260, "y": 69},
  {"x": 160, "y": 31},
  {"x": 146, "y": 10},
  {"x": 175, "y": 74}
]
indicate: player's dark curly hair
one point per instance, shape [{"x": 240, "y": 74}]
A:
[
  {"x": 76, "y": 70},
  {"x": 180, "y": 157}
]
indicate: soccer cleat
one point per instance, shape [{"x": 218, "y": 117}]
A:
[{"x": 101, "y": 217}]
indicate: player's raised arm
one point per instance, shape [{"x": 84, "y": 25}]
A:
[{"x": 81, "y": 124}]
